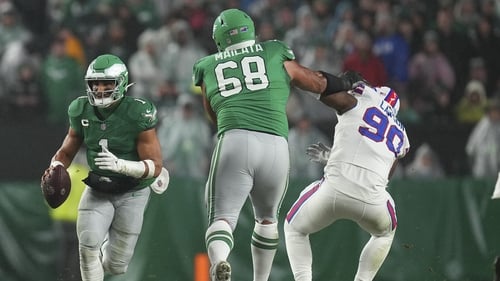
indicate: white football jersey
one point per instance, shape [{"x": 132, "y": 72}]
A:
[{"x": 369, "y": 135}]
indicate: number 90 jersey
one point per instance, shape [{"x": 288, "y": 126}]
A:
[
  {"x": 369, "y": 135},
  {"x": 248, "y": 88}
]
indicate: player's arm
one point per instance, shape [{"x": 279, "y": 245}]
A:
[
  {"x": 150, "y": 160},
  {"x": 69, "y": 147},
  {"x": 331, "y": 90},
  {"x": 206, "y": 104},
  {"x": 148, "y": 148}
]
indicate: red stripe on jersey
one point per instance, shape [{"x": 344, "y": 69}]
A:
[{"x": 392, "y": 98}]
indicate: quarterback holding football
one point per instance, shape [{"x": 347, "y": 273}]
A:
[{"x": 124, "y": 156}]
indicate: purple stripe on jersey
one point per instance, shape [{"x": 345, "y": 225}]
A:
[
  {"x": 391, "y": 98},
  {"x": 296, "y": 206},
  {"x": 392, "y": 213},
  {"x": 359, "y": 89}
]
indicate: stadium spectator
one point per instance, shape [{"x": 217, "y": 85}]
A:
[
  {"x": 472, "y": 105},
  {"x": 186, "y": 139},
  {"x": 61, "y": 80},
  {"x": 390, "y": 46},
  {"x": 301, "y": 134},
  {"x": 144, "y": 68},
  {"x": 431, "y": 77},
  {"x": 425, "y": 165},
  {"x": 483, "y": 144},
  {"x": 364, "y": 61},
  {"x": 185, "y": 49}
]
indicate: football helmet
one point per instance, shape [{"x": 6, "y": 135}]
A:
[
  {"x": 231, "y": 27},
  {"x": 106, "y": 68}
]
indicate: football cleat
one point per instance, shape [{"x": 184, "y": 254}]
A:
[{"x": 221, "y": 271}]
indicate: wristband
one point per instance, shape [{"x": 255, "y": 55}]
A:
[
  {"x": 137, "y": 169},
  {"x": 56, "y": 163},
  {"x": 334, "y": 84},
  {"x": 150, "y": 168}
]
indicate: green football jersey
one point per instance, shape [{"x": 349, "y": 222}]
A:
[
  {"x": 117, "y": 132},
  {"x": 248, "y": 88}
]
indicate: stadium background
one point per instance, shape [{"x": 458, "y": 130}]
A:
[{"x": 448, "y": 228}]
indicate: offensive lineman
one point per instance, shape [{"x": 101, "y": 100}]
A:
[
  {"x": 368, "y": 141},
  {"x": 245, "y": 89},
  {"x": 124, "y": 156}
]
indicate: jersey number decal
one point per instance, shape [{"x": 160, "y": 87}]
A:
[
  {"x": 103, "y": 143},
  {"x": 379, "y": 130},
  {"x": 254, "y": 76}
]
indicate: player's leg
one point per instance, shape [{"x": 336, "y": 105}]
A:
[
  {"x": 380, "y": 221},
  {"x": 95, "y": 213},
  {"x": 311, "y": 212},
  {"x": 125, "y": 229},
  {"x": 227, "y": 189},
  {"x": 269, "y": 160}
]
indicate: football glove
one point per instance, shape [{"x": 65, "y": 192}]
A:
[
  {"x": 354, "y": 78},
  {"x": 108, "y": 161},
  {"x": 318, "y": 152},
  {"x": 161, "y": 182}
]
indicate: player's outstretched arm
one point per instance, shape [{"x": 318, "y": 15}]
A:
[{"x": 331, "y": 90}]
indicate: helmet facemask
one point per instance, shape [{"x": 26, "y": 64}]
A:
[{"x": 110, "y": 71}]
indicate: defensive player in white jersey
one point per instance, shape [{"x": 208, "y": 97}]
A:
[{"x": 368, "y": 141}]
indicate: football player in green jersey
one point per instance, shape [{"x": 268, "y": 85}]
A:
[
  {"x": 124, "y": 155},
  {"x": 245, "y": 89}
]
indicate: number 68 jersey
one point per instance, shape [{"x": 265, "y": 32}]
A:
[{"x": 369, "y": 135}]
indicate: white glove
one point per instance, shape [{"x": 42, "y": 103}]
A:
[
  {"x": 161, "y": 182},
  {"x": 108, "y": 161},
  {"x": 318, "y": 152}
]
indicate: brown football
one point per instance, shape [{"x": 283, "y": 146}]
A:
[{"x": 56, "y": 186}]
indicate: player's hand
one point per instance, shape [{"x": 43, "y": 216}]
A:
[
  {"x": 318, "y": 152},
  {"x": 48, "y": 170},
  {"x": 108, "y": 161},
  {"x": 354, "y": 78},
  {"x": 161, "y": 182}
]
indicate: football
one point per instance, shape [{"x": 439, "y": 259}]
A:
[{"x": 56, "y": 185}]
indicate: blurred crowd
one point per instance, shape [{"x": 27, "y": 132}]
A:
[{"x": 442, "y": 57}]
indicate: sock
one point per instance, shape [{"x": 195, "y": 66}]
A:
[
  {"x": 373, "y": 255},
  {"x": 264, "y": 244},
  {"x": 219, "y": 241},
  {"x": 299, "y": 253}
]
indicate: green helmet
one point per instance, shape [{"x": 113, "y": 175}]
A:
[
  {"x": 106, "y": 68},
  {"x": 232, "y": 26}
]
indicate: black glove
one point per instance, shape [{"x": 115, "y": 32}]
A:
[{"x": 353, "y": 77}]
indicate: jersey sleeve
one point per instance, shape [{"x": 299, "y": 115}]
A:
[
  {"x": 145, "y": 113},
  {"x": 198, "y": 73},
  {"x": 75, "y": 110},
  {"x": 285, "y": 50}
]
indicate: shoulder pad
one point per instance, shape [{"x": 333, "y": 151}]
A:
[
  {"x": 76, "y": 107},
  {"x": 143, "y": 111},
  {"x": 283, "y": 47}
]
